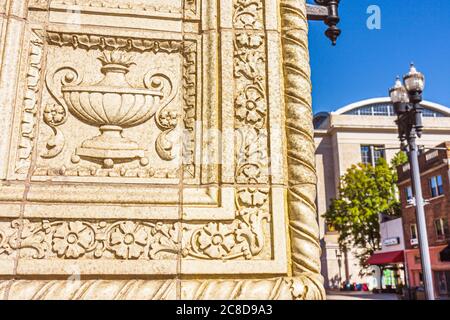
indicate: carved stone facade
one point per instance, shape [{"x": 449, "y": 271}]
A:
[{"x": 142, "y": 140}]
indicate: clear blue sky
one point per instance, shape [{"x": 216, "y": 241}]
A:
[{"x": 365, "y": 62}]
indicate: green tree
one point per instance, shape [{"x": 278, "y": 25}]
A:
[
  {"x": 365, "y": 191},
  {"x": 400, "y": 158}
]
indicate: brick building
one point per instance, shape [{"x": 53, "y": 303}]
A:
[{"x": 435, "y": 175}]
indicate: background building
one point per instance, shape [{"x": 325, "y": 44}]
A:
[
  {"x": 389, "y": 262},
  {"x": 351, "y": 135},
  {"x": 435, "y": 170}
]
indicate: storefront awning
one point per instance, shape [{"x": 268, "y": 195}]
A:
[
  {"x": 386, "y": 258},
  {"x": 445, "y": 254}
]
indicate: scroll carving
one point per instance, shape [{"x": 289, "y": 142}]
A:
[
  {"x": 244, "y": 237},
  {"x": 55, "y": 115},
  {"x": 248, "y": 14}
]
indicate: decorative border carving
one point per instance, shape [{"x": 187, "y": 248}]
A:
[
  {"x": 289, "y": 288},
  {"x": 110, "y": 4},
  {"x": 190, "y": 52},
  {"x": 89, "y": 41},
  {"x": 304, "y": 229},
  {"x": 68, "y": 239},
  {"x": 30, "y": 103},
  {"x": 250, "y": 94},
  {"x": 243, "y": 237}
]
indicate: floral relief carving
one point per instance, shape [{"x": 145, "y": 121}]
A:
[
  {"x": 250, "y": 109},
  {"x": 216, "y": 240},
  {"x": 248, "y": 14},
  {"x": 242, "y": 238},
  {"x": 72, "y": 239},
  {"x": 128, "y": 240},
  {"x": 123, "y": 240}
]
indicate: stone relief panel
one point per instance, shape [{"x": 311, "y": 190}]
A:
[
  {"x": 130, "y": 90},
  {"x": 117, "y": 92},
  {"x": 103, "y": 110}
]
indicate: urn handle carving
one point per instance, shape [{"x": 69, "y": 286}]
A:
[
  {"x": 166, "y": 120},
  {"x": 55, "y": 115}
]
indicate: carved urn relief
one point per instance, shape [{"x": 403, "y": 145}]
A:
[{"x": 112, "y": 105}]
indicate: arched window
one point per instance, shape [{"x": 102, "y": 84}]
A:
[{"x": 386, "y": 109}]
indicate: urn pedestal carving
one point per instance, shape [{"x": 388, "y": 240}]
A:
[{"x": 158, "y": 152}]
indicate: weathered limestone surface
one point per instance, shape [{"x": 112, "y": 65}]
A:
[{"x": 156, "y": 150}]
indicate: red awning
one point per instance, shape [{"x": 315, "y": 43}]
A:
[{"x": 386, "y": 258}]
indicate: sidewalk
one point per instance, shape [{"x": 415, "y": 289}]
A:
[{"x": 360, "y": 295}]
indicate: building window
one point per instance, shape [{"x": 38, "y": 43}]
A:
[
  {"x": 408, "y": 192},
  {"x": 436, "y": 186},
  {"x": 365, "y": 154},
  {"x": 441, "y": 228},
  {"x": 413, "y": 229},
  {"x": 370, "y": 154}
]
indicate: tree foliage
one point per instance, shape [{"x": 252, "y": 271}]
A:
[
  {"x": 400, "y": 158},
  {"x": 365, "y": 192}
]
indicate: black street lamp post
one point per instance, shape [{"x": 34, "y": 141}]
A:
[{"x": 406, "y": 99}]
